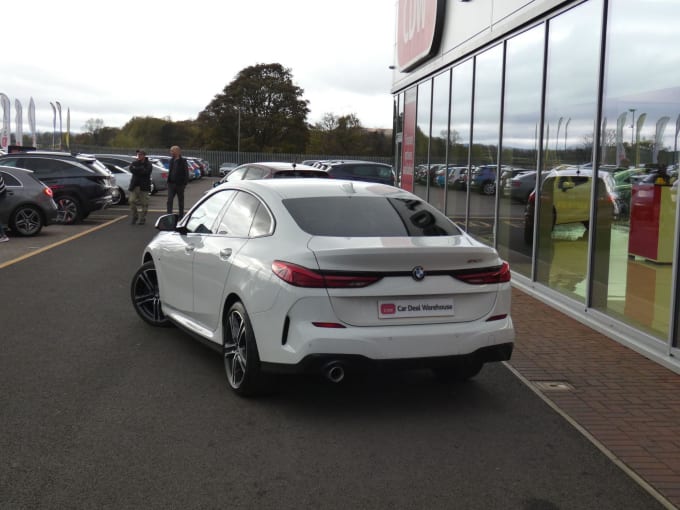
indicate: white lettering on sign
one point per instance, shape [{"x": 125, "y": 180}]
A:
[
  {"x": 414, "y": 19},
  {"x": 428, "y": 307},
  {"x": 419, "y": 30}
]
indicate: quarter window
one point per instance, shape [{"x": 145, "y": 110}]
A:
[
  {"x": 203, "y": 217},
  {"x": 238, "y": 217}
]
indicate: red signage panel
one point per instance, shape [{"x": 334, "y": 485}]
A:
[{"x": 419, "y": 31}]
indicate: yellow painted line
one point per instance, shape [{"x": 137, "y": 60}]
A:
[{"x": 59, "y": 243}]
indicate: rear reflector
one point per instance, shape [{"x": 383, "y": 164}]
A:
[
  {"x": 303, "y": 277},
  {"x": 332, "y": 325},
  {"x": 499, "y": 274}
]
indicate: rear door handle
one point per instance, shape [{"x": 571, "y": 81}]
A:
[{"x": 225, "y": 253}]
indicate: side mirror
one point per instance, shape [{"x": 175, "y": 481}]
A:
[{"x": 167, "y": 222}]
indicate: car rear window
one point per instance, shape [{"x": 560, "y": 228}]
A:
[
  {"x": 282, "y": 174},
  {"x": 354, "y": 216}
]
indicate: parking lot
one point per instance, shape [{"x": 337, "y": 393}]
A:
[{"x": 100, "y": 410}]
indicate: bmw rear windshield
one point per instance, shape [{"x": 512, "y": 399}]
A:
[{"x": 353, "y": 216}]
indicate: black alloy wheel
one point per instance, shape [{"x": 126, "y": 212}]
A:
[
  {"x": 145, "y": 296},
  {"x": 239, "y": 350},
  {"x": 26, "y": 221},
  {"x": 70, "y": 209}
]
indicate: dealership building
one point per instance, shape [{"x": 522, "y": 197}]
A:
[{"x": 579, "y": 97}]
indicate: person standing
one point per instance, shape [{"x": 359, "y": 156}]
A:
[
  {"x": 178, "y": 176},
  {"x": 140, "y": 187},
  {"x": 3, "y": 190}
]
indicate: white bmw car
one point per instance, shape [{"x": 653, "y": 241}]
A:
[{"x": 327, "y": 276}]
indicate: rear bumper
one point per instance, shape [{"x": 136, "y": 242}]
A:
[{"x": 316, "y": 363}]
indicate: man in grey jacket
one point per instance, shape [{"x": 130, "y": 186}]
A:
[{"x": 140, "y": 187}]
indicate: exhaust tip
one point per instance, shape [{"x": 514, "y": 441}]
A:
[{"x": 334, "y": 372}]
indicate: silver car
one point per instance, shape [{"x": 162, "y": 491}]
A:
[
  {"x": 159, "y": 174},
  {"x": 123, "y": 177},
  {"x": 27, "y": 206}
]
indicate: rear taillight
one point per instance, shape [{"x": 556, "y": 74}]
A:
[
  {"x": 48, "y": 192},
  {"x": 499, "y": 274},
  {"x": 302, "y": 277}
]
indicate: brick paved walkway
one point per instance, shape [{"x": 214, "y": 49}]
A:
[{"x": 627, "y": 403}]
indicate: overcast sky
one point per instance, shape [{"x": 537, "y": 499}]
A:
[{"x": 116, "y": 60}]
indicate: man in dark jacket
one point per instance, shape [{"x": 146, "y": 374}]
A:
[
  {"x": 178, "y": 176},
  {"x": 140, "y": 187}
]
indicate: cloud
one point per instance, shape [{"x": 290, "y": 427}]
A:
[{"x": 164, "y": 59}]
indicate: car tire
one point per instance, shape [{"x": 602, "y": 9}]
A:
[
  {"x": 488, "y": 188},
  {"x": 26, "y": 221},
  {"x": 145, "y": 296},
  {"x": 70, "y": 208},
  {"x": 120, "y": 197},
  {"x": 459, "y": 371},
  {"x": 239, "y": 354}
]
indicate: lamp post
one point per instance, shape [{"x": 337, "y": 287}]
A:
[{"x": 238, "y": 137}]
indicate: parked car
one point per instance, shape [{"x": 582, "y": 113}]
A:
[
  {"x": 271, "y": 170},
  {"x": 451, "y": 175},
  {"x": 326, "y": 277},
  {"x": 225, "y": 168},
  {"x": 80, "y": 184},
  {"x": 483, "y": 179},
  {"x": 194, "y": 169},
  {"x": 569, "y": 190},
  {"x": 123, "y": 176},
  {"x": 356, "y": 170},
  {"x": 159, "y": 174},
  {"x": 27, "y": 206},
  {"x": 520, "y": 186}
]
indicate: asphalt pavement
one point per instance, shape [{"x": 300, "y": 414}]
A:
[{"x": 100, "y": 410}]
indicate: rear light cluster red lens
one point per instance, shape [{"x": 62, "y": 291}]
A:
[
  {"x": 302, "y": 277},
  {"x": 494, "y": 275}
]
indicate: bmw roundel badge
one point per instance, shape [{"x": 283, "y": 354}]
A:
[{"x": 418, "y": 273}]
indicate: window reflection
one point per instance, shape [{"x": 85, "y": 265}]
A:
[
  {"x": 485, "y": 132},
  {"x": 459, "y": 140},
  {"x": 571, "y": 103},
  {"x": 640, "y": 124},
  {"x": 422, "y": 170},
  {"x": 440, "y": 133},
  {"x": 519, "y": 157}
]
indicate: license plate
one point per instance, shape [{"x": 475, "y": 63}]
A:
[{"x": 429, "y": 307}]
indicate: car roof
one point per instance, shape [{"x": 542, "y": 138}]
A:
[
  {"x": 316, "y": 187},
  {"x": 14, "y": 169},
  {"x": 333, "y": 162},
  {"x": 280, "y": 165}
]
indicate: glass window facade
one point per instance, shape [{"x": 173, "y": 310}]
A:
[{"x": 559, "y": 146}]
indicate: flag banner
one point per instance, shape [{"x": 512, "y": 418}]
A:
[
  {"x": 31, "y": 120},
  {"x": 620, "y": 151},
  {"x": 61, "y": 133},
  {"x": 18, "y": 116},
  {"x": 54, "y": 123},
  {"x": 658, "y": 137},
  {"x": 5, "y": 131},
  {"x": 68, "y": 128},
  {"x": 638, "y": 130}
]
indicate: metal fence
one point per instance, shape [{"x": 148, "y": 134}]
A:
[{"x": 216, "y": 158}]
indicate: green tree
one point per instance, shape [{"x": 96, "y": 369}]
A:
[
  {"x": 261, "y": 110},
  {"x": 95, "y": 133},
  {"x": 344, "y": 135}
]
